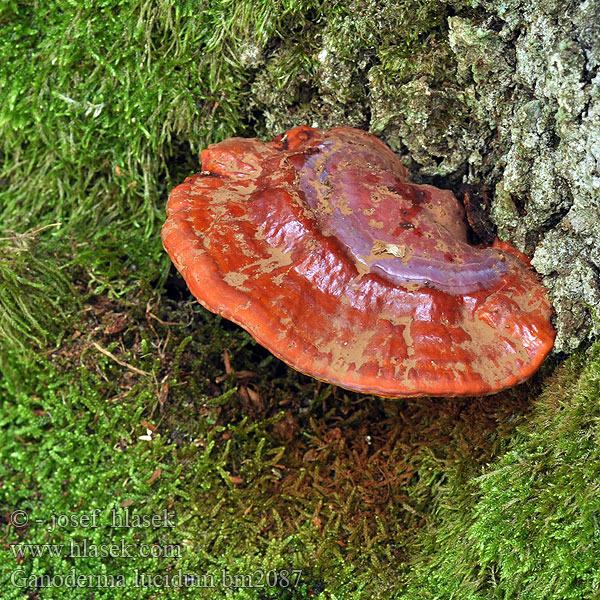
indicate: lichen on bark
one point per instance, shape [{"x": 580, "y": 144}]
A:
[
  {"x": 503, "y": 94},
  {"x": 542, "y": 86}
]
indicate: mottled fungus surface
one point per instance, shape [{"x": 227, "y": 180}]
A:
[{"x": 319, "y": 246}]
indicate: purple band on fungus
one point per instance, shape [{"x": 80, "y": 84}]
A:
[{"x": 406, "y": 233}]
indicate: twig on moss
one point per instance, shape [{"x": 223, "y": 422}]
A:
[
  {"x": 119, "y": 361},
  {"x": 15, "y": 237}
]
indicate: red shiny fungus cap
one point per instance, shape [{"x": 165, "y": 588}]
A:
[{"x": 319, "y": 246}]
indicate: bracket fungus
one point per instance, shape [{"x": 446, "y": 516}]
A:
[{"x": 319, "y": 246}]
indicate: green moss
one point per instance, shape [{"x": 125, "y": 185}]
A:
[
  {"x": 119, "y": 388},
  {"x": 108, "y": 104},
  {"x": 35, "y": 292},
  {"x": 526, "y": 527}
]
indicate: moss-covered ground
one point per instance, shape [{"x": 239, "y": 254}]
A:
[{"x": 122, "y": 398}]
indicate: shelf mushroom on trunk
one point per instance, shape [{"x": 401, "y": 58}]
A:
[{"x": 319, "y": 246}]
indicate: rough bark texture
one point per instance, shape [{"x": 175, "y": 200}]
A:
[
  {"x": 531, "y": 71},
  {"x": 508, "y": 95}
]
